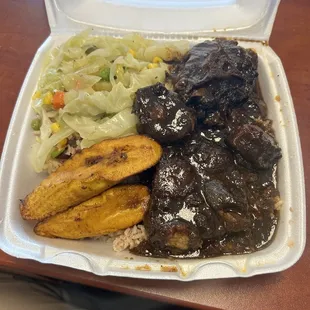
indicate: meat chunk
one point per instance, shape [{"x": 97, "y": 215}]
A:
[
  {"x": 213, "y": 119},
  {"x": 247, "y": 112},
  {"x": 181, "y": 225},
  {"x": 224, "y": 71},
  {"x": 207, "y": 157},
  {"x": 255, "y": 145},
  {"x": 168, "y": 229},
  {"x": 205, "y": 219},
  {"x": 209, "y": 224},
  {"x": 174, "y": 177},
  {"x": 218, "y": 197},
  {"x": 230, "y": 209},
  {"x": 181, "y": 237},
  {"x": 162, "y": 114},
  {"x": 235, "y": 222}
]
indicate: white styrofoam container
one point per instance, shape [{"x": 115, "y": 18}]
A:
[{"x": 163, "y": 20}]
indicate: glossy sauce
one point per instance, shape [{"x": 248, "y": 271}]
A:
[{"x": 214, "y": 190}]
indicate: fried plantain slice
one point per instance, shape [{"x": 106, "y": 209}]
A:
[
  {"x": 117, "y": 208},
  {"x": 90, "y": 173}
]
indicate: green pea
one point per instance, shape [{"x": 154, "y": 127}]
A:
[
  {"x": 36, "y": 124},
  {"x": 105, "y": 74},
  {"x": 56, "y": 152}
]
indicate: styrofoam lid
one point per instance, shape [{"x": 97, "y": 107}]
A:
[{"x": 231, "y": 18}]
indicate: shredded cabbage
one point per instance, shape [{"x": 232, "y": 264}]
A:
[
  {"x": 85, "y": 143},
  {"x": 99, "y": 76},
  {"x": 41, "y": 151},
  {"x": 86, "y": 104},
  {"x": 148, "y": 77},
  {"x": 45, "y": 130},
  {"x": 90, "y": 129}
]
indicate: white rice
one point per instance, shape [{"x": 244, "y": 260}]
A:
[
  {"x": 125, "y": 239},
  {"x": 278, "y": 203},
  {"x": 129, "y": 238},
  {"x": 71, "y": 150},
  {"x": 52, "y": 165}
]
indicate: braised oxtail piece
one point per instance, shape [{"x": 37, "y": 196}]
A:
[{"x": 162, "y": 114}]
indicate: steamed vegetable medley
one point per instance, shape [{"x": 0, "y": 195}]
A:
[{"x": 87, "y": 88}]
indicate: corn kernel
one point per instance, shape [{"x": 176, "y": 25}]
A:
[
  {"x": 132, "y": 52},
  {"x": 157, "y": 60},
  {"x": 55, "y": 127},
  {"x": 119, "y": 72},
  {"x": 152, "y": 66},
  {"x": 48, "y": 98},
  {"x": 36, "y": 95},
  {"x": 62, "y": 143}
]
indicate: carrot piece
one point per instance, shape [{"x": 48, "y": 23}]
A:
[{"x": 58, "y": 100}]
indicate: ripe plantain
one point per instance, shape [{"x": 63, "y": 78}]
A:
[
  {"x": 115, "y": 209},
  {"x": 90, "y": 173}
]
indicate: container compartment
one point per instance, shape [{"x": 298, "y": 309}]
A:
[{"x": 18, "y": 179}]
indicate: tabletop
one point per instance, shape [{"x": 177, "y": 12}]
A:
[{"x": 24, "y": 27}]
